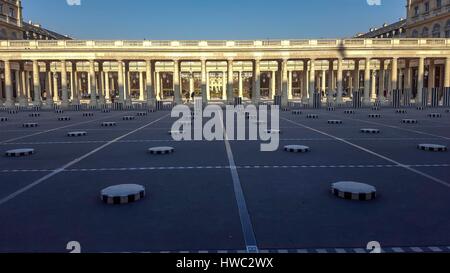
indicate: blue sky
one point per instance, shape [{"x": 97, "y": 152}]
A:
[{"x": 211, "y": 19}]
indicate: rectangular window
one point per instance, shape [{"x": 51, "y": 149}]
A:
[
  {"x": 416, "y": 10},
  {"x": 1, "y": 8},
  {"x": 427, "y": 6},
  {"x": 11, "y": 12},
  {"x": 438, "y": 4}
]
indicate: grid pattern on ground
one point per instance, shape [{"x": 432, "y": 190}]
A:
[{"x": 192, "y": 202}]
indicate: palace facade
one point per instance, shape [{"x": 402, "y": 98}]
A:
[{"x": 70, "y": 72}]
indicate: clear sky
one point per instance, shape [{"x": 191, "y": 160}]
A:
[{"x": 211, "y": 19}]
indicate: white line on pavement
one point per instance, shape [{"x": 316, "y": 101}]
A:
[
  {"x": 73, "y": 162},
  {"x": 437, "y": 180}
]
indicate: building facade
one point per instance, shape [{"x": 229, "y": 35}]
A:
[
  {"x": 70, "y": 72},
  {"x": 33, "y": 31},
  {"x": 425, "y": 19},
  {"x": 395, "y": 30},
  {"x": 428, "y": 18},
  {"x": 11, "y": 20},
  {"x": 12, "y": 26}
]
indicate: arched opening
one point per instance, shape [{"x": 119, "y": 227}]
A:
[
  {"x": 436, "y": 31},
  {"x": 447, "y": 29},
  {"x": 3, "y": 34},
  {"x": 425, "y": 32}
]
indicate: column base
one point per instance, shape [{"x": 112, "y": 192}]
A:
[
  {"x": 75, "y": 101},
  {"x": 23, "y": 102},
  {"x": 9, "y": 104},
  {"x": 65, "y": 105},
  {"x": 93, "y": 104},
  {"x": 102, "y": 100},
  {"x": 284, "y": 102},
  {"x": 367, "y": 102},
  {"x": 46, "y": 106},
  {"x": 151, "y": 103}
]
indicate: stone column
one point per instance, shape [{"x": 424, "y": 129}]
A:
[
  {"x": 420, "y": 80},
  {"x": 447, "y": 72},
  {"x": 208, "y": 94},
  {"x": 330, "y": 81},
  {"x": 394, "y": 75},
  {"x": 312, "y": 81},
  {"x": 273, "y": 84},
  {"x": 256, "y": 81},
  {"x": 55, "y": 86},
  {"x": 323, "y": 82},
  {"x": 141, "y": 86},
  {"x": 224, "y": 85},
  {"x": 121, "y": 82},
  {"x": 305, "y": 82},
  {"x": 191, "y": 85},
  {"x": 50, "y": 86},
  {"x": 284, "y": 83},
  {"x": 230, "y": 92},
  {"x": 340, "y": 82},
  {"x": 289, "y": 85},
  {"x": 355, "y": 84},
  {"x": 159, "y": 92},
  {"x": 127, "y": 83},
  {"x": 101, "y": 83},
  {"x": 381, "y": 80},
  {"x": 8, "y": 85},
  {"x": 150, "y": 68},
  {"x": 176, "y": 82},
  {"x": 36, "y": 84},
  {"x": 80, "y": 84},
  {"x": 367, "y": 85},
  {"x": 64, "y": 88},
  {"x": 92, "y": 85},
  {"x": 23, "y": 101},
  {"x": 373, "y": 88},
  {"x": 241, "y": 84},
  {"x": 1, "y": 91},
  {"x": 431, "y": 76},
  {"x": 75, "y": 85},
  {"x": 107, "y": 89},
  {"x": 203, "y": 85},
  {"x": 408, "y": 76},
  {"x": 16, "y": 84},
  {"x": 28, "y": 86}
]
